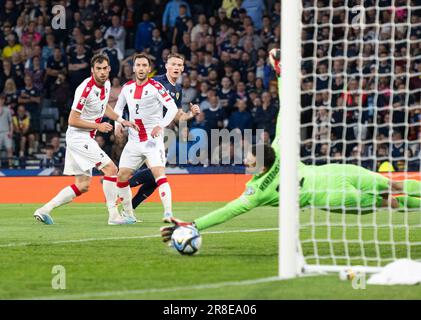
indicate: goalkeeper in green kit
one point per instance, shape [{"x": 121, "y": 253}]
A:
[{"x": 332, "y": 186}]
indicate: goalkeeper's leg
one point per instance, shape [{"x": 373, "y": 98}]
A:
[
  {"x": 408, "y": 187},
  {"x": 408, "y": 202}
]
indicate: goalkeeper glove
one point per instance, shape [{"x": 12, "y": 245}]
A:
[
  {"x": 275, "y": 60},
  {"x": 166, "y": 232}
]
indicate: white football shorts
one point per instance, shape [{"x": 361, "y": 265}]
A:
[
  {"x": 136, "y": 153},
  {"x": 83, "y": 154}
]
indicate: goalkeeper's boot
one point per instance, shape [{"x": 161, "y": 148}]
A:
[
  {"x": 167, "y": 217},
  {"x": 43, "y": 216}
]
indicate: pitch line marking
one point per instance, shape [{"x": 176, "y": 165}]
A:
[
  {"x": 160, "y": 290},
  {"x": 24, "y": 244}
]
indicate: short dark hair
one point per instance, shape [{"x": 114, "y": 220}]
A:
[
  {"x": 99, "y": 58},
  {"x": 141, "y": 56},
  {"x": 268, "y": 153}
]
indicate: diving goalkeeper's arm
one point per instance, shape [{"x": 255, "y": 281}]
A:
[{"x": 261, "y": 190}]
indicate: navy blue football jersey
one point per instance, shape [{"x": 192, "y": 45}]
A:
[{"x": 174, "y": 91}]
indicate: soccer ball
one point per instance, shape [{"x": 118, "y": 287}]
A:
[{"x": 186, "y": 240}]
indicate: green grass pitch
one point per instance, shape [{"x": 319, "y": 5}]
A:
[{"x": 131, "y": 262}]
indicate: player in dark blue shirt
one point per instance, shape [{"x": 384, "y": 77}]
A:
[{"x": 143, "y": 176}]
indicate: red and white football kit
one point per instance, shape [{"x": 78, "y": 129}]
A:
[
  {"x": 82, "y": 151},
  {"x": 145, "y": 103}
]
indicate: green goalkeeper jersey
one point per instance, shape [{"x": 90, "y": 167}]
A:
[
  {"x": 261, "y": 190},
  {"x": 332, "y": 185}
]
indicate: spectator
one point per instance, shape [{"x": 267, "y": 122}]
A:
[
  {"x": 37, "y": 73},
  {"x": 30, "y": 97},
  {"x": 144, "y": 33},
  {"x": 249, "y": 35},
  {"x": 60, "y": 98},
  {"x": 30, "y": 35},
  {"x": 172, "y": 12},
  {"x": 22, "y": 135},
  {"x": 398, "y": 149},
  {"x": 255, "y": 9},
  {"x": 226, "y": 95},
  {"x": 55, "y": 65},
  {"x": 115, "y": 56},
  {"x": 99, "y": 42},
  {"x": 10, "y": 94},
  {"x": 157, "y": 43},
  {"x": 240, "y": 119},
  {"x": 10, "y": 12},
  {"x": 118, "y": 32},
  {"x": 241, "y": 93},
  {"x": 88, "y": 30},
  {"x": 183, "y": 24},
  {"x": 48, "y": 160},
  {"x": 48, "y": 49},
  {"x": 115, "y": 92},
  {"x": 12, "y": 46},
  {"x": 188, "y": 94},
  {"x": 6, "y": 130},
  {"x": 230, "y": 5},
  {"x": 265, "y": 117},
  {"x": 79, "y": 67},
  {"x": 199, "y": 29},
  {"x": 214, "y": 115},
  {"x": 232, "y": 47},
  {"x": 126, "y": 73}
]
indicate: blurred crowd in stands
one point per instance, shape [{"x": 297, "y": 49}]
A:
[{"x": 360, "y": 90}]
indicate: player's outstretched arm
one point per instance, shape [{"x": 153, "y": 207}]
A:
[
  {"x": 76, "y": 121},
  {"x": 186, "y": 116},
  {"x": 109, "y": 112},
  {"x": 231, "y": 210}
]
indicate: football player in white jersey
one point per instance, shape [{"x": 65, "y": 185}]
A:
[
  {"x": 82, "y": 151},
  {"x": 144, "y": 98}
]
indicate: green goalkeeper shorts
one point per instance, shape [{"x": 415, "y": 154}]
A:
[{"x": 343, "y": 185}]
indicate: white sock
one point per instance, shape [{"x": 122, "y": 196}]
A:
[
  {"x": 110, "y": 191},
  {"x": 64, "y": 196},
  {"x": 125, "y": 193},
  {"x": 165, "y": 193}
]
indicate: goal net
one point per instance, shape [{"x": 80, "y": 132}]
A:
[{"x": 355, "y": 99}]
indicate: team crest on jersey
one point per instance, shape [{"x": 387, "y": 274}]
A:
[
  {"x": 249, "y": 191},
  {"x": 146, "y": 92},
  {"x": 177, "y": 95}
]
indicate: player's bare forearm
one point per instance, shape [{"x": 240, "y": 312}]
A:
[
  {"x": 186, "y": 116},
  {"x": 183, "y": 116},
  {"x": 110, "y": 113},
  {"x": 77, "y": 122}
]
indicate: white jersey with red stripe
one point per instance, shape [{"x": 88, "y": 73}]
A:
[
  {"x": 90, "y": 101},
  {"x": 145, "y": 104}
]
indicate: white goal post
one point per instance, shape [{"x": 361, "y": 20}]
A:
[{"x": 350, "y": 94}]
